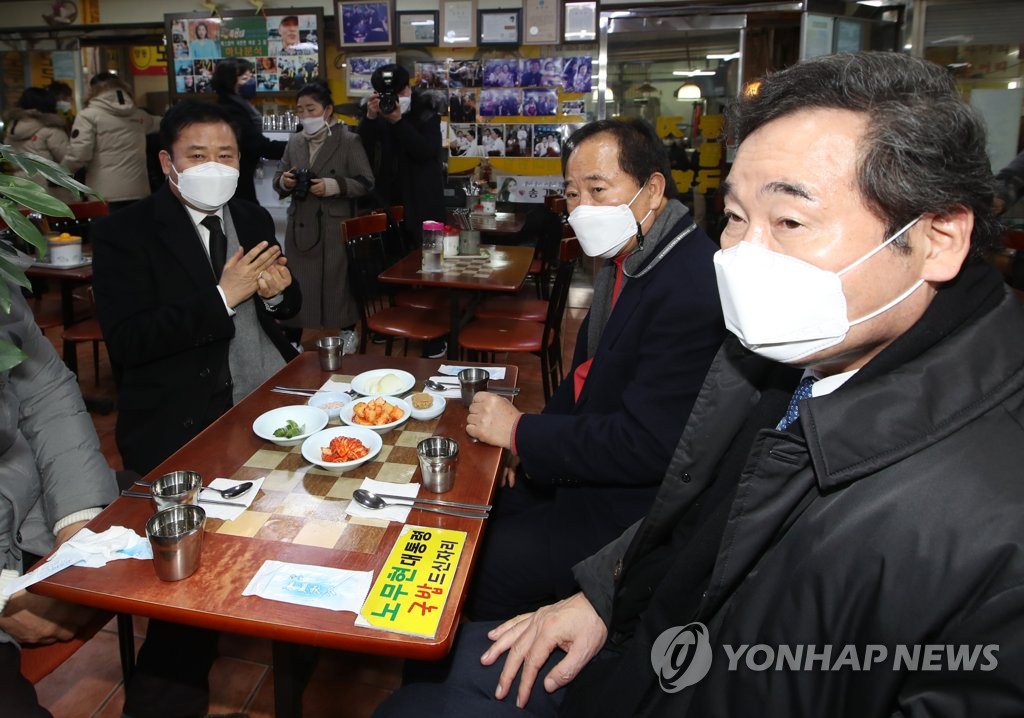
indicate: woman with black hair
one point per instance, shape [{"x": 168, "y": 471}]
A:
[
  {"x": 324, "y": 168},
  {"x": 235, "y": 85}
]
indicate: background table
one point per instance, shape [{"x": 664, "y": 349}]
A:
[
  {"x": 211, "y": 598},
  {"x": 468, "y": 279}
]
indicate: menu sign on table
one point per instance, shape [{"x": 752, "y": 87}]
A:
[{"x": 413, "y": 586}]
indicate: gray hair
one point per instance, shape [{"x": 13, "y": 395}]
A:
[{"x": 924, "y": 149}]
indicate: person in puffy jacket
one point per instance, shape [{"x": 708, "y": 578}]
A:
[
  {"x": 109, "y": 140},
  {"x": 34, "y": 126}
]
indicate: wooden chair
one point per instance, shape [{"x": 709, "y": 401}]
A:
[
  {"x": 397, "y": 246},
  {"x": 87, "y": 330},
  {"x": 526, "y": 309},
  {"x": 364, "y": 239},
  {"x": 491, "y": 336},
  {"x": 545, "y": 257}
]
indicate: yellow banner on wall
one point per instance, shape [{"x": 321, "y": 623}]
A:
[{"x": 89, "y": 11}]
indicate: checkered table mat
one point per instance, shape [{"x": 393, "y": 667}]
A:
[{"x": 303, "y": 503}]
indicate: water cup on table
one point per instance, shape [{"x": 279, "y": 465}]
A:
[
  {"x": 176, "y": 488},
  {"x": 176, "y": 535},
  {"x": 438, "y": 456},
  {"x": 330, "y": 349},
  {"x": 471, "y": 381}
]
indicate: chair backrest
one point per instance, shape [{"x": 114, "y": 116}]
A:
[
  {"x": 365, "y": 240},
  {"x": 551, "y": 341}
]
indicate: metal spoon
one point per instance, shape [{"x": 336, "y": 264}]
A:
[
  {"x": 500, "y": 390},
  {"x": 233, "y": 491},
  {"x": 372, "y": 501}
]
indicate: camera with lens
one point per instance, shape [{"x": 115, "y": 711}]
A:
[
  {"x": 387, "y": 92},
  {"x": 303, "y": 179}
]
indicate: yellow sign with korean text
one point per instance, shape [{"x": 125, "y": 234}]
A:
[{"x": 413, "y": 586}]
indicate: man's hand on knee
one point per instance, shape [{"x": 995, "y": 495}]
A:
[{"x": 571, "y": 625}]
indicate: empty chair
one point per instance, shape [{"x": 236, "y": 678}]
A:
[
  {"x": 364, "y": 239},
  {"x": 545, "y": 257},
  {"x": 491, "y": 336},
  {"x": 396, "y": 247},
  {"x": 87, "y": 330}
]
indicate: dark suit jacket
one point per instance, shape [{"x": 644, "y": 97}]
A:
[
  {"x": 605, "y": 454},
  {"x": 165, "y": 324}
]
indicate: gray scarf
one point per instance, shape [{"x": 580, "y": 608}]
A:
[{"x": 604, "y": 282}]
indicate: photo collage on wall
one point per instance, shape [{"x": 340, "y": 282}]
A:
[
  {"x": 480, "y": 92},
  {"x": 283, "y": 50}
]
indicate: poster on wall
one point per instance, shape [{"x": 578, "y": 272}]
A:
[
  {"x": 528, "y": 188},
  {"x": 360, "y": 69},
  {"x": 283, "y": 48}
]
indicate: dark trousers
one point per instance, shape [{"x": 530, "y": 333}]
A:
[
  {"x": 467, "y": 690},
  {"x": 529, "y": 549},
  {"x": 171, "y": 678},
  {"x": 17, "y": 695}
]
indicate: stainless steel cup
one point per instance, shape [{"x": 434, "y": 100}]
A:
[
  {"x": 176, "y": 535},
  {"x": 471, "y": 381},
  {"x": 469, "y": 242},
  {"x": 330, "y": 352},
  {"x": 177, "y": 487},
  {"x": 438, "y": 456}
]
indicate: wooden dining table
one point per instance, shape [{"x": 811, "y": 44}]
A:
[
  {"x": 212, "y": 597},
  {"x": 500, "y": 224},
  {"x": 466, "y": 279}
]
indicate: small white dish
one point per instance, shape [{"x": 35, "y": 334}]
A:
[
  {"x": 310, "y": 418},
  {"x": 331, "y": 402},
  {"x": 347, "y": 412},
  {"x": 367, "y": 382},
  {"x": 432, "y": 411},
  {"x": 312, "y": 447}
]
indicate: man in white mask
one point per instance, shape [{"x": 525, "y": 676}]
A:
[
  {"x": 589, "y": 465},
  {"x": 188, "y": 285},
  {"x": 810, "y": 538}
]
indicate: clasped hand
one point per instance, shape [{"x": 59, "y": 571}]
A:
[{"x": 261, "y": 271}]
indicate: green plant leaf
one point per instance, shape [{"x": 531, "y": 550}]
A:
[
  {"x": 10, "y": 355},
  {"x": 34, "y": 197},
  {"x": 21, "y": 225},
  {"x": 11, "y": 273},
  {"x": 34, "y": 164}
]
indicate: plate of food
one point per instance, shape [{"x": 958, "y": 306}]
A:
[
  {"x": 330, "y": 401},
  {"x": 379, "y": 413},
  {"x": 426, "y": 406},
  {"x": 289, "y": 425},
  {"x": 383, "y": 382},
  {"x": 342, "y": 447}
]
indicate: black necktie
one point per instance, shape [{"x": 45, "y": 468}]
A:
[{"x": 218, "y": 244}]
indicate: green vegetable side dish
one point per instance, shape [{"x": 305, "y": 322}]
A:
[{"x": 289, "y": 430}]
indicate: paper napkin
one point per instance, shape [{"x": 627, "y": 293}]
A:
[
  {"x": 454, "y": 392},
  {"x": 496, "y": 372},
  {"x": 335, "y": 589},
  {"x": 229, "y": 513},
  {"x": 89, "y": 549},
  {"x": 391, "y": 513}
]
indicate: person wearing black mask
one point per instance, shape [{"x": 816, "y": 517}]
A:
[{"x": 235, "y": 85}]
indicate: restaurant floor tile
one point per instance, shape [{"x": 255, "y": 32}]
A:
[{"x": 88, "y": 685}]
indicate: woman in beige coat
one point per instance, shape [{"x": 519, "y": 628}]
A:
[
  {"x": 341, "y": 172},
  {"x": 34, "y": 126},
  {"x": 108, "y": 139}
]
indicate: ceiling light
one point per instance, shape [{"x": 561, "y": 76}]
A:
[
  {"x": 689, "y": 91},
  {"x": 730, "y": 56}
]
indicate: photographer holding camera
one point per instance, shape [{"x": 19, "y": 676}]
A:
[
  {"x": 324, "y": 168},
  {"x": 401, "y": 132}
]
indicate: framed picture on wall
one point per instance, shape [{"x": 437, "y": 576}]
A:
[
  {"x": 283, "y": 48},
  {"x": 364, "y": 24},
  {"x": 417, "y": 28},
  {"x": 541, "y": 22},
  {"x": 500, "y": 27},
  {"x": 360, "y": 69},
  {"x": 458, "y": 23},
  {"x": 580, "y": 21}
]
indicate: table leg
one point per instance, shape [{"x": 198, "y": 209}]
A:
[
  {"x": 67, "y": 304},
  {"x": 293, "y": 666},
  {"x": 455, "y": 321}
]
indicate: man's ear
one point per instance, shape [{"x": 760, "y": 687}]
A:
[
  {"x": 948, "y": 242},
  {"x": 165, "y": 162},
  {"x": 655, "y": 190}
]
